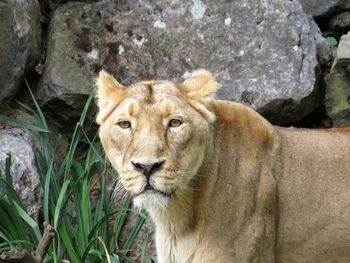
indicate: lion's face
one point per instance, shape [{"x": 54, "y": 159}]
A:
[{"x": 154, "y": 136}]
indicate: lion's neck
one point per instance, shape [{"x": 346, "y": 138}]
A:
[
  {"x": 177, "y": 232},
  {"x": 179, "y": 226},
  {"x": 178, "y": 216}
]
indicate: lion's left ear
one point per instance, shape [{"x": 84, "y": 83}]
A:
[
  {"x": 200, "y": 88},
  {"x": 200, "y": 85}
]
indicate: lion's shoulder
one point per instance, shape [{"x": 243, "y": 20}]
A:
[{"x": 241, "y": 123}]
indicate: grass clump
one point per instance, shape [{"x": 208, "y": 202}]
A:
[{"x": 84, "y": 230}]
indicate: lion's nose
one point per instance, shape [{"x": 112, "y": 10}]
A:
[{"x": 147, "y": 169}]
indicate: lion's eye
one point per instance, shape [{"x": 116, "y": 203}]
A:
[
  {"x": 124, "y": 124},
  {"x": 175, "y": 122}
]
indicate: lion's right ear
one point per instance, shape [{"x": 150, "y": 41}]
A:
[{"x": 109, "y": 93}]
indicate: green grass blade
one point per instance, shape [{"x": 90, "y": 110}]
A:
[
  {"x": 17, "y": 243},
  {"x": 77, "y": 135},
  {"x": 46, "y": 200},
  {"x": 8, "y": 163},
  {"x": 69, "y": 245},
  {"x": 23, "y": 124},
  {"x": 99, "y": 208},
  {"x": 50, "y": 182},
  {"x": 92, "y": 146},
  {"x": 87, "y": 250},
  {"x": 89, "y": 246},
  {"x": 143, "y": 248},
  {"x": 131, "y": 239},
  {"x": 59, "y": 202},
  {"x": 9, "y": 222},
  {"x": 4, "y": 239},
  {"x": 121, "y": 219},
  {"x": 22, "y": 213},
  {"x": 104, "y": 220},
  {"x": 71, "y": 152},
  {"x": 86, "y": 108},
  {"x": 81, "y": 237},
  {"x": 85, "y": 208},
  {"x": 37, "y": 108},
  {"x": 11, "y": 194},
  {"x": 115, "y": 259},
  {"x": 26, "y": 108}
]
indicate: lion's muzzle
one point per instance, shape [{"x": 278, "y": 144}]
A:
[{"x": 147, "y": 169}]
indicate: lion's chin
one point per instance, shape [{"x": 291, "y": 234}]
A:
[{"x": 150, "y": 200}]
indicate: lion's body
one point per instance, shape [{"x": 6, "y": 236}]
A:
[
  {"x": 242, "y": 190},
  {"x": 313, "y": 189}
]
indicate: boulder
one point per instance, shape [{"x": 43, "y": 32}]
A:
[
  {"x": 341, "y": 22},
  {"x": 20, "y": 144},
  {"x": 268, "y": 61},
  {"x": 324, "y": 8},
  {"x": 338, "y": 85},
  {"x": 20, "y": 33}
]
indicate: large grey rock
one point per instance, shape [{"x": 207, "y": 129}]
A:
[
  {"x": 20, "y": 34},
  {"x": 324, "y": 7},
  {"x": 338, "y": 85},
  {"x": 268, "y": 61},
  {"x": 20, "y": 144}
]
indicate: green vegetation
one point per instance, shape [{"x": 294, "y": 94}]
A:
[
  {"x": 85, "y": 232},
  {"x": 332, "y": 43}
]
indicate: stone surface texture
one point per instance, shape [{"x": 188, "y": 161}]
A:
[
  {"x": 324, "y": 7},
  {"x": 338, "y": 85},
  {"x": 20, "y": 34},
  {"x": 20, "y": 144},
  {"x": 268, "y": 61}
]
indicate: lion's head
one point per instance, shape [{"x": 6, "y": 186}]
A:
[{"x": 155, "y": 133}]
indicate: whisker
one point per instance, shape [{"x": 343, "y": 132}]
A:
[{"x": 119, "y": 190}]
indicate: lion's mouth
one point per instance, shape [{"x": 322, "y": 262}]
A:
[{"x": 150, "y": 189}]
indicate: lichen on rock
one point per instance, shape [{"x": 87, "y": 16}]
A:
[{"x": 338, "y": 85}]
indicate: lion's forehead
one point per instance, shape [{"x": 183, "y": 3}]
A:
[
  {"x": 161, "y": 88},
  {"x": 159, "y": 98}
]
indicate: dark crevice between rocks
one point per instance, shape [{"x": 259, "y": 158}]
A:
[
  {"x": 31, "y": 81},
  {"x": 326, "y": 30},
  {"x": 324, "y": 23},
  {"x": 318, "y": 118},
  {"x": 57, "y": 111}
]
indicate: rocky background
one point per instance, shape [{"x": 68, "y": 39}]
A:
[{"x": 289, "y": 60}]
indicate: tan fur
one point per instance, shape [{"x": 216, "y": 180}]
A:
[{"x": 234, "y": 187}]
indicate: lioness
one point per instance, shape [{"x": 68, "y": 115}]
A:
[{"x": 220, "y": 182}]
